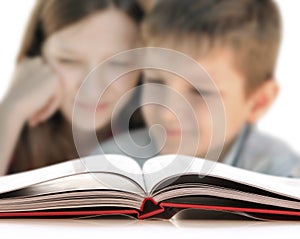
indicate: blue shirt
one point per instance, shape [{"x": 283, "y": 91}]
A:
[
  {"x": 252, "y": 151},
  {"x": 262, "y": 153}
]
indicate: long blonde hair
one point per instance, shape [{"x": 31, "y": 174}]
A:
[{"x": 52, "y": 142}]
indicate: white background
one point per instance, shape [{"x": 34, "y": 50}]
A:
[
  {"x": 147, "y": 229},
  {"x": 281, "y": 121}
]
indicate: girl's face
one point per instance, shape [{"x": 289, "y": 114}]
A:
[{"x": 76, "y": 50}]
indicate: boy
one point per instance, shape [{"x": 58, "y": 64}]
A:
[{"x": 237, "y": 42}]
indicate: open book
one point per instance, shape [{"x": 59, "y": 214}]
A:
[{"x": 166, "y": 185}]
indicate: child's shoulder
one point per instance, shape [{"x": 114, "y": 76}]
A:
[{"x": 266, "y": 154}]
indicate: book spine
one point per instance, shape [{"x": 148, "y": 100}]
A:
[{"x": 149, "y": 208}]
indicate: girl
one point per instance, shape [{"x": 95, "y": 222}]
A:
[{"x": 64, "y": 41}]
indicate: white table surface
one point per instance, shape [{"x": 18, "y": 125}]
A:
[{"x": 130, "y": 228}]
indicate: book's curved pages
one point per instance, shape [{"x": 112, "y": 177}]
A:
[{"x": 166, "y": 185}]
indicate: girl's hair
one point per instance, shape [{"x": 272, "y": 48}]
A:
[{"x": 52, "y": 142}]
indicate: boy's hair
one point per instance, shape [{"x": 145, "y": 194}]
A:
[{"x": 252, "y": 28}]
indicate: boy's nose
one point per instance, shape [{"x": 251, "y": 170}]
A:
[
  {"x": 173, "y": 111},
  {"x": 168, "y": 116}
]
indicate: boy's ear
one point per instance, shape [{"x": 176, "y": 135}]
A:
[{"x": 262, "y": 99}]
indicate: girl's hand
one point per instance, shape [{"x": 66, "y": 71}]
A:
[{"x": 36, "y": 91}]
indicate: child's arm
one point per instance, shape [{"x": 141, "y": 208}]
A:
[
  {"x": 35, "y": 94},
  {"x": 11, "y": 125}
]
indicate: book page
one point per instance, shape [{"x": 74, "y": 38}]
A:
[
  {"x": 115, "y": 164},
  {"x": 165, "y": 167},
  {"x": 86, "y": 182}
]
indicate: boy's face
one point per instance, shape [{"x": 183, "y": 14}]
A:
[{"x": 219, "y": 64}]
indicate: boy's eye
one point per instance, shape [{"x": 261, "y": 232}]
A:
[{"x": 202, "y": 93}]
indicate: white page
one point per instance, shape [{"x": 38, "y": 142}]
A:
[
  {"x": 101, "y": 163},
  {"x": 87, "y": 181},
  {"x": 162, "y": 167},
  {"x": 113, "y": 163}
]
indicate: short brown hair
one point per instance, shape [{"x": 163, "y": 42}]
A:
[{"x": 252, "y": 28}]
